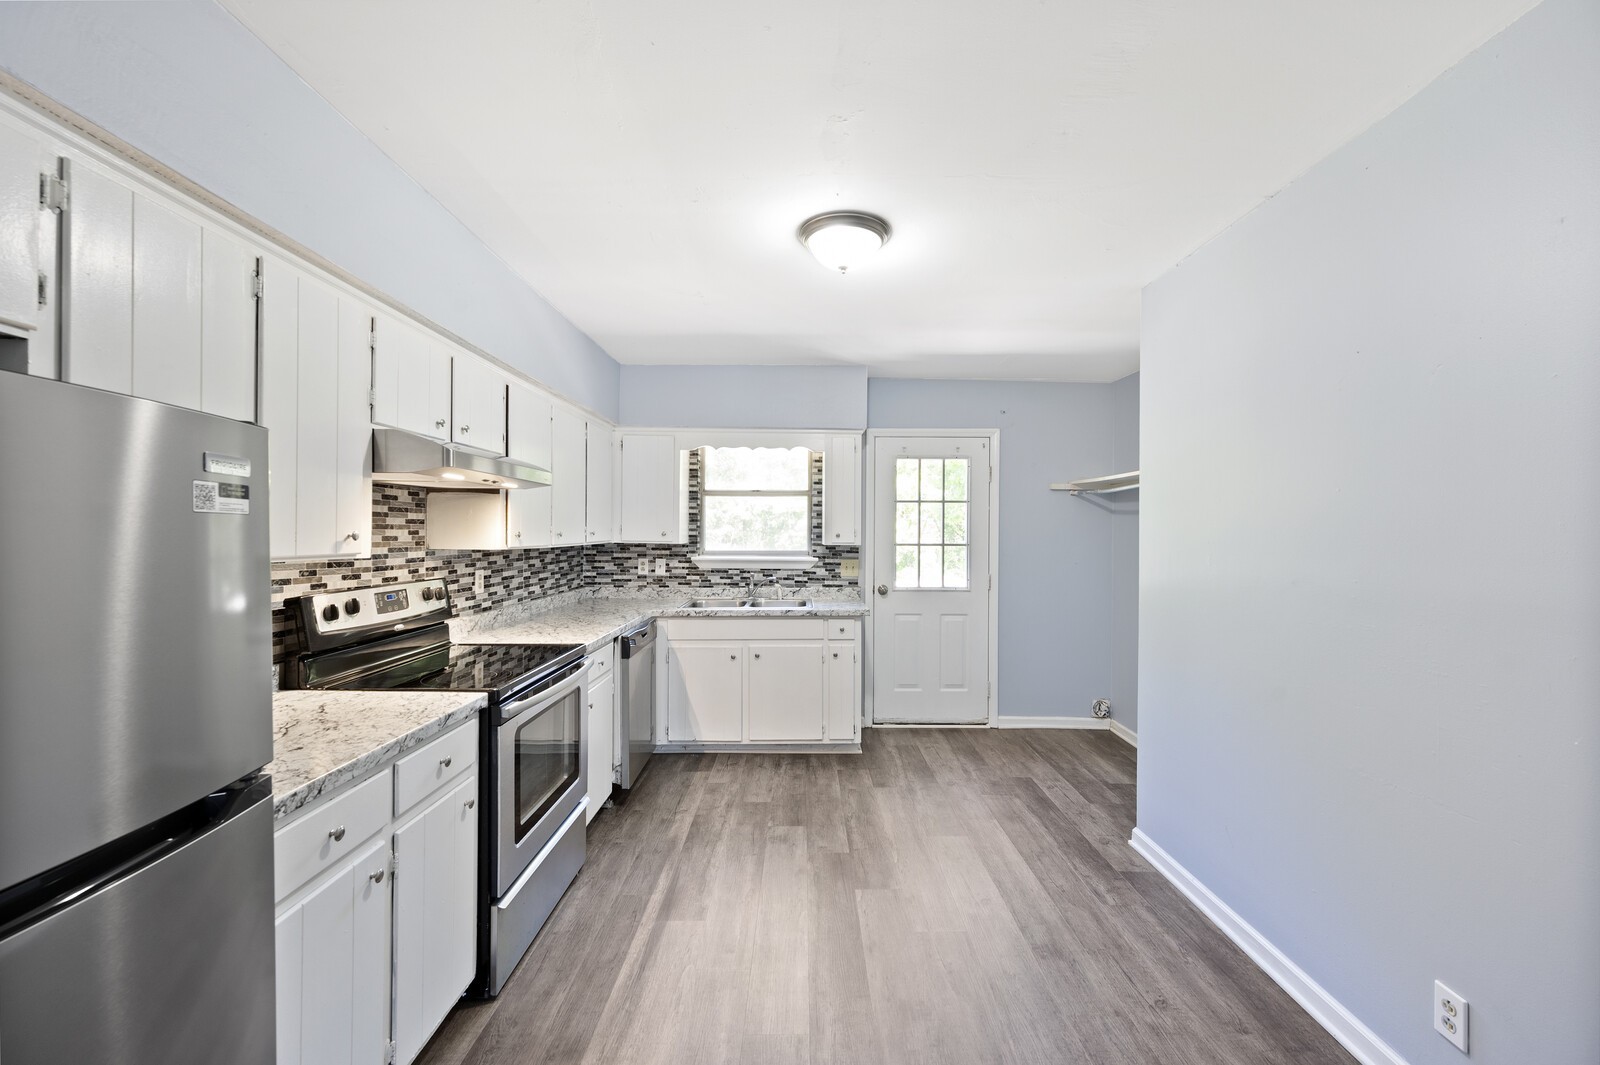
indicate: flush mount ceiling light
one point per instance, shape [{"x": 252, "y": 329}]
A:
[{"x": 842, "y": 240}]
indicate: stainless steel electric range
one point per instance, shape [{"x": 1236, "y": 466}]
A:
[{"x": 532, "y": 743}]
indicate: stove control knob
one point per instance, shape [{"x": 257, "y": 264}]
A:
[
  {"x": 427, "y": 593},
  {"x": 352, "y": 606},
  {"x": 330, "y": 612}
]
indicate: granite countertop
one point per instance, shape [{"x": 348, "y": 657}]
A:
[
  {"x": 598, "y": 620},
  {"x": 323, "y": 741}
]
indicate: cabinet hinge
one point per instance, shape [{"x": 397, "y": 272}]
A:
[
  {"x": 390, "y": 1052},
  {"x": 258, "y": 287},
  {"x": 44, "y": 290},
  {"x": 394, "y": 864},
  {"x": 52, "y": 193},
  {"x": 372, "y": 339}
]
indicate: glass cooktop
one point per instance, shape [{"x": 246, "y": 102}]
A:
[{"x": 464, "y": 667}]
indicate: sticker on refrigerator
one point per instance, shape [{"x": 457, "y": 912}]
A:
[{"x": 213, "y": 497}]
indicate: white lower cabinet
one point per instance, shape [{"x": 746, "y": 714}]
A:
[
  {"x": 377, "y": 909},
  {"x": 333, "y": 967},
  {"x": 602, "y": 736},
  {"x": 787, "y": 699},
  {"x": 760, "y": 681},
  {"x": 434, "y": 917}
]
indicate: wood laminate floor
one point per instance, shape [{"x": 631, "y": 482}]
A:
[{"x": 962, "y": 896}]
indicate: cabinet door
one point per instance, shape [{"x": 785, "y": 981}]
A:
[
  {"x": 166, "y": 304},
  {"x": 228, "y": 327},
  {"x": 705, "y": 692},
  {"x": 478, "y": 405},
  {"x": 844, "y": 692},
  {"x": 528, "y": 441},
  {"x": 655, "y": 490},
  {"x": 279, "y": 403},
  {"x": 569, "y": 477},
  {"x": 602, "y": 740},
  {"x": 787, "y": 691},
  {"x": 435, "y": 914},
  {"x": 841, "y": 490},
  {"x": 352, "y": 517},
  {"x": 22, "y": 161},
  {"x": 317, "y": 421},
  {"x": 600, "y": 515},
  {"x": 98, "y": 287},
  {"x": 333, "y": 968}
]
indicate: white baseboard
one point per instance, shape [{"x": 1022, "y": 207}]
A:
[
  {"x": 1124, "y": 733},
  {"x": 1326, "y": 1010},
  {"x": 1052, "y": 722}
]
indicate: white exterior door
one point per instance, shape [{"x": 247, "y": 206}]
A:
[{"x": 931, "y": 571}]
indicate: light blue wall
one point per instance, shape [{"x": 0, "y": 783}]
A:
[
  {"x": 1369, "y": 659},
  {"x": 1057, "y": 592},
  {"x": 745, "y": 397},
  {"x": 1124, "y": 510},
  {"x": 190, "y": 86}
]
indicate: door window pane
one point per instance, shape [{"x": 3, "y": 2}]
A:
[{"x": 930, "y": 523}]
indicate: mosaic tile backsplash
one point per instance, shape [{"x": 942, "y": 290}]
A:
[{"x": 400, "y": 553}]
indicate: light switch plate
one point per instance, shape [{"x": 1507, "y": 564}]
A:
[
  {"x": 661, "y": 567},
  {"x": 850, "y": 567}
]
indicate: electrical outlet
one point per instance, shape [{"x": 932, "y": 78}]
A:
[
  {"x": 644, "y": 567},
  {"x": 661, "y": 567},
  {"x": 850, "y": 567},
  {"x": 1450, "y": 1015}
]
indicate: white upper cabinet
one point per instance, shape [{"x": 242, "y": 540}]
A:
[
  {"x": 655, "y": 490},
  {"x": 228, "y": 327},
  {"x": 568, "y": 475},
  {"x": 23, "y": 158},
  {"x": 314, "y": 386},
  {"x": 478, "y": 405},
  {"x": 841, "y": 490},
  {"x": 410, "y": 378},
  {"x": 528, "y": 441},
  {"x": 600, "y": 504},
  {"x": 156, "y": 303},
  {"x": 166, "y": 305}
]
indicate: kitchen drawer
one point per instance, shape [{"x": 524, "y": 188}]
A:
[
  {"x": 601, "y": 661},
  {"x": 327, "y": 834},
  {"x": 843, "y": 629},
  {"x": 418, "y": 775},
  {"x": 747, "y": 628}
]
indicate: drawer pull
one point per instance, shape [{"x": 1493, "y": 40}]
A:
[
  {"x": 376, "y": 878},
  {"x": 444, "y": 763},
  {"x": 336, "y": 834}
]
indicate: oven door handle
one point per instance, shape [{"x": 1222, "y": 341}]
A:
[{"x": 533, "y": 704}]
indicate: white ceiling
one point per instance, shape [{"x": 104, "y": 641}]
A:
[{"x": 644, "y": 165}]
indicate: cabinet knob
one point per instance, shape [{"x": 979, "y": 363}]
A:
[
  {"x": 733, "y": 658},
  {"x": 663, "y": 532},
  {"x": 836, "y": 654},
  {"x": 376, "y": 878},
  {"x": 559, "y": 535},
  {"x": 838, "y": 536},
  {"x": 439, "y": 424},
  {"x": 470, "y": 803},
  {"x": 519, "y": 536},
  {"x": 466, "y": 428},
  {"x": 353, "y": 536},
  {"x": 337, "y": 834},
  {"x": 444, "y": 762},
  {"x": 758, "y": 656}
]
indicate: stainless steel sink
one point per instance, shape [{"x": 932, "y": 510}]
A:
[{"x": 717, "y": 604}]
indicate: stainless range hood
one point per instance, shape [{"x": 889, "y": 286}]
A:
[{"x": 399, "y": 457}]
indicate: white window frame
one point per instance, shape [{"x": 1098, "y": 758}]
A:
[{"x": 796, "y": 560}]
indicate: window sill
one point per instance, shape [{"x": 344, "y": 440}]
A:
[{"x": 753, "y": 561}]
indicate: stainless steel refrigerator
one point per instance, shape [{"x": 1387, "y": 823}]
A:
[{"x": 135, "y": 720}]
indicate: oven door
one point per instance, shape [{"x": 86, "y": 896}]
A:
[{"x": 540, "y": 762}]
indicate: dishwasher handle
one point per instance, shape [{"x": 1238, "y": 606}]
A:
[{"x": 640, "y": 640}]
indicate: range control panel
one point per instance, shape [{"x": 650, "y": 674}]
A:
[{"x": 360, "y": 608}]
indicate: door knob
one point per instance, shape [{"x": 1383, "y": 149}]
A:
[{"x": 883, "y": 589}]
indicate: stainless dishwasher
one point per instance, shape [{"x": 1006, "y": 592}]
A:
[{"x": 637, "y": 739}]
